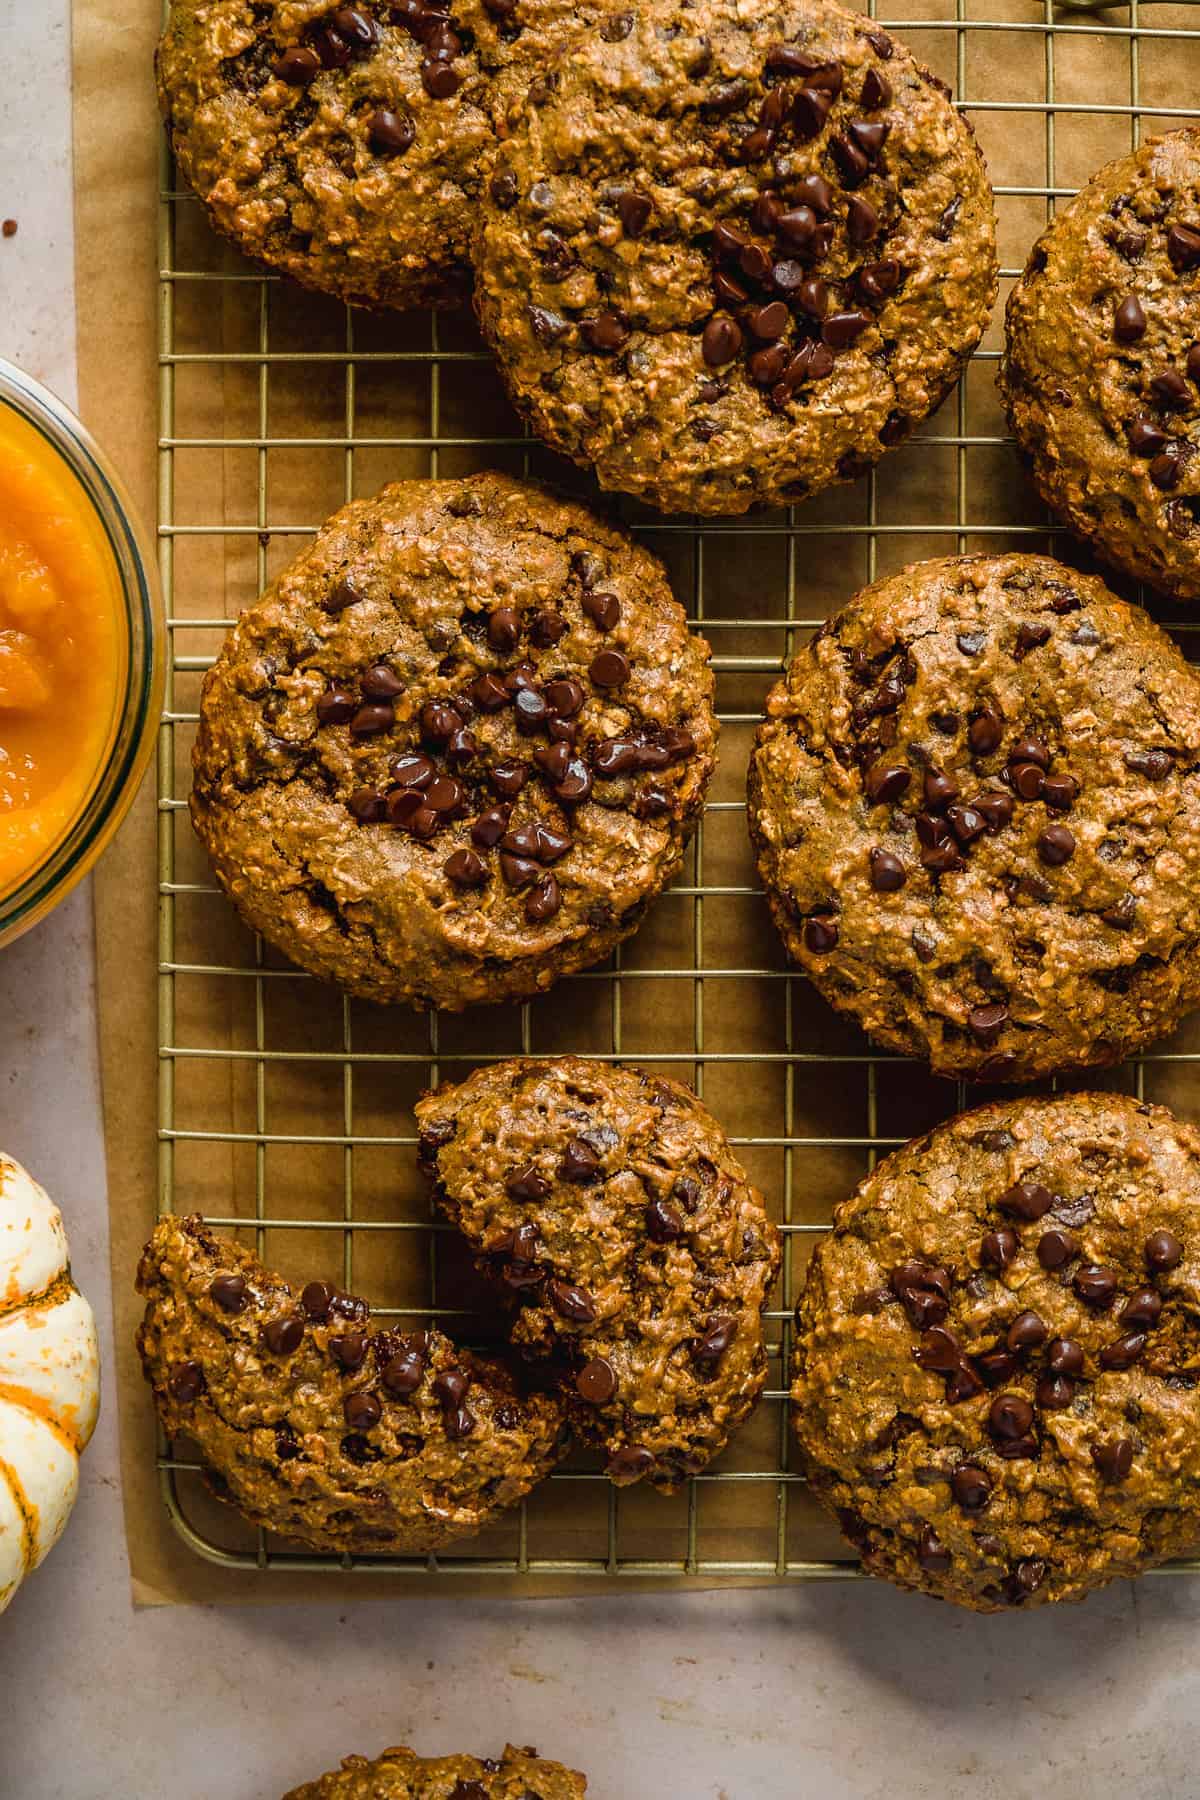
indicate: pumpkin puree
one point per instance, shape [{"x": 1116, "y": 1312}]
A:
[{"x": 62, "y": 647}]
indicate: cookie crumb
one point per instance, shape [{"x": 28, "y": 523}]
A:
[{"x": 9, "y": 228}]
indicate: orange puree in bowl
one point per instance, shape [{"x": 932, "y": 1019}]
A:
[{"x": 62, "y": 647}]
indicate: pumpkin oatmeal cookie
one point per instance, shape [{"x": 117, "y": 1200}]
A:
[
  {"x": 976, "y": 807},
  {"x": 319, "y": 1428},
  {"x": 608, "y": 1208},
  {"x": 998, "y": 1352},
  {"x": 457, "y": 747},
  {"x": 728, "y": 254},
  {"x": 400, "y": 1774},
  {"x": 1102, "y": 365}
]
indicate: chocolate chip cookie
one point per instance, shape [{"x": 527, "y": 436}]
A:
[
  {"x": 977, "y": 815},
  {"x": 343, "y": 144},
  {"x": 607, "y": 1206},
  {"x": 402, "y": 1775},
  {"x": 998, "y": 1353},
  {"x": 1102, "y": 368},
  {"x": 319, "y": 1428},
  {"x": 729, "y": 255},
  {"x": 457, "y": 747}
]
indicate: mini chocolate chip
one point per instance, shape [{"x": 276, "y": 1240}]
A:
[
  {"x": 711, "y": 1347},
  {"x": 186, "y": 1382},
  {"x": 350, "y": 1349},
  {"x": 1064, "y": 1357},
  {"x": 820, "y": 936},
  {"x": 1124, "y": 1351},
  {"x": 971, "y": 1487},
  {"x": 997, "y": 1248},
  {"x": 888, "y": 873},
  {"x": 229, "y": 1292},
  {"x": 932, "y": 1554},
  {"x": 1026, "y": 1332},
  {"x": 1095, "y": 1285},
  {"x": 1162, "y": 1251},
  {"x": 1027, "y": 1200},
  {"x": 362, "y": 1411},
  {"x": 572, "y": 1303},
  {"x": 402, "y": 1374},
  {"x": 985, "y": 1023},
  {"x": 390, "y": 133},
  {"x": 1056, "y": 1249},
  {"x": 663, "y": 1222},
  {"x": 1129, "y": 320},
  {"x": 1009, "y": 1417},
  {"x": 1113, "y": 1459},
  {"x": 1056, "y": 845},
  {"x": 466, "y": 869},
  {"x": 596, "y": 1382},
  {"x": 1054, "y": 1392}
]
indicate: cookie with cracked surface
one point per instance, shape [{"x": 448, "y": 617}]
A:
[
  {"x": 976, "y": 810},
  {"x": 607, "y": 1205},
  {"x": 1101, "y": 371},
  {"x": 343, "y": 144},
  {"x": 731, "y": 254},
  {"x": 400, "y": 1774},
  {"x": 319, "y": 1428},
  {"x": 998, "y": 1349},
  {"x": 457, "y": 747}
]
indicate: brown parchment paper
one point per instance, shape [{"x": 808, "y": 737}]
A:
[{"x": 812, "y": 1121}]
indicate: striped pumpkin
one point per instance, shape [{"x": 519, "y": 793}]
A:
[{"x": 49, "y": 1377}]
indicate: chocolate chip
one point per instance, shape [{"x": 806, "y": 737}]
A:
[
  {"x": 985, "y": 1023},
  {"x": 1095, "y": 1285},
  {"x": 229, "y": 1292},
  {"x": 932, "y": 1554},
  {"x": 971, "y": 1487},
  {"x": 1145, "y": 438},
  {"x": 450, "y": 1387},
  {"x": 1028, "y": 779},
  {"x": 888, "y": 873},
  {"x": 1113, "y": 1459},
  {"x": 841, "y": 329},
  {"x": 862, "y": 220},
  {"x": 604, "y": 609},
  {"x": 1162, "y": 1251},
  {"x": 1054, "y": 1392},
  {"x": 1010, "y": 1416},
  {"x": 1124, "y": 1351},
  {"x": 876, "y": 281},
  {"x": 985, "y": 731},
  {"x": 439, "y": 722},
  {"x": 851, "y": 162},
  {"x": 1164, "y": 472},
  {"x": 402, "y": 1374},
  {"x": 337, "y": 706},
  {"x": 350, "y": 1349},
  {"x": 1129, "y": 320},
  {"x": 964, "y": 1384},
  {"x": 628, "y": 1464},
  {"x": 580, "y": 1162},
  {"x": 884, "y": 784},
  {"x": 553, "y": 760},
  {"x": 1056, "y": 845},
  {"x": 1171, "y": 391},
  {"x": 1060, "y": 792},
  {"x": 1064, "y": 1357},
  {"x": 997, "y": 1248},
  {"x": 571, "y": 1302},
  {"x": 939, "y": 1350},
  {"x": 596, "y": 1382},
  {"x": 186, "y": 1382},
  {"x": 663, "y": 1222},
  {"x": 458, "y": 1422},
  {"x": 606, "y": 332},
  {"x": 545, "y": 628},
  {"x": 997, "y": 809},
  {"x": 820, "y": 935},
  {"x": 810, "y": 111},
  {"x": 465, "y": 869},
  {"x": 543, "y": 901},
  {"x": 711, "y": 1347},
  {"x": 1183, "y": 246},
  {"x": 923, "y": 1290},
  {"x": 609, "y": 669},
  {"x": 766, "y": 366},
  {"x": 815, "y": 192},
  {"x": 1155, "y": 765},
  {"x": 939, "y": 790},
  {"x": 634, "y": 211},
  {"x": 439, "y": 79},
  {"x": 367, "y": 805},
  {"x": 283, "y": 1336},
  {"x": 1027, "y": 1200},
  {"x": 997, "y": 1364},
  {"x": 1027, "y": 1332},
  {"x": 362, "y": 1411},
  {"x": 967, "y": 823},
  {"x": 526, "y": 1185},
  {"x": 1056, "y": 1249}
]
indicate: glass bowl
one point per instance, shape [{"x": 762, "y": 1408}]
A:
[{"x": 137, "y": 699}]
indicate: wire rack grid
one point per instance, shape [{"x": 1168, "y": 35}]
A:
[{"x": 285, "y": 1109}]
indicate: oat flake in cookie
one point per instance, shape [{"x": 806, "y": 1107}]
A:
[
  {"x": 457, "y": 747},
  {"x": 401, "y": 1774},
  {"x": 1102, "y": 367},
  {"x": 607, "y": 1206},
  {"x": 998, "y": 1351},
  {"x": 731, "y": 254},
  {"x": 343, "y": 144},
  {"x": 977, "y": 817},
  {"x": 317, "y": 1427}
]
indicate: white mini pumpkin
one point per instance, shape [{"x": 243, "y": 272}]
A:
[{"x": 49, "y": 1377}]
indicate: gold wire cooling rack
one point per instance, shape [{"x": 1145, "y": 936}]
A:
[{"x": 286, "y": 1109}]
